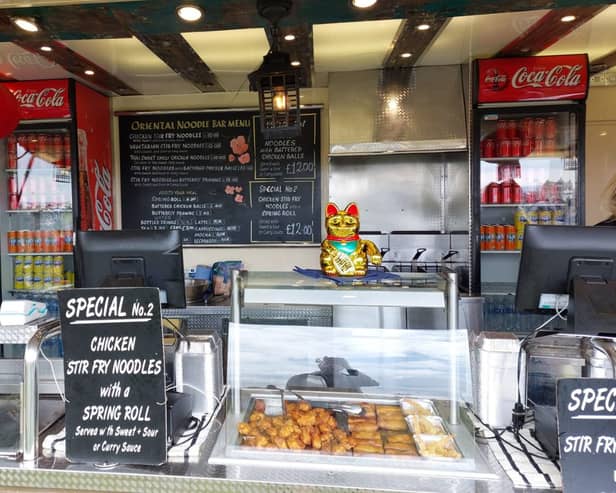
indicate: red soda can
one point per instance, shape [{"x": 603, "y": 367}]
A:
[
  {"x": 490, "y": 237},
  {"x": 527, "y": 147},
  {"x": 512, "y": 129},
  {"x": 484, "y": 195},
  {"x": 506, "y": 192},
  {"x": 527, "y": 128},
  {"x": 516, "y": 147},
  {"x": 501, "y": 129},
  {"x": 539, "y": 128},
  {"x": 551, "y": 127},
  {"x": 494, "y": 193},
  {"x": 539, "y": 146},
  {"x": 57, "y": 146},
  {"x": 489, "y": 148},
  {"x": 530, "y": 197},
  {"x": 482, "y": 237},
  {"x": 504, "y": 148},
  {"x": 67, "y": 155},
  {"x": 44, "y": 145},
  {"x": 516, "y": 192},
  {"x": 510, "y": 237},
  {"x": 12, "y": 241},
  {"x": 22, "y": 140},
  {"x": 549, "y": 146},
  {"x": 499, "y": 237}
]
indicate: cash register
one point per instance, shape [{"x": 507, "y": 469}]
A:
[{"x": 570, "y": 270}]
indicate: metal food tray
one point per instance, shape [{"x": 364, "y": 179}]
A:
[{"x": 273, "y": 403}]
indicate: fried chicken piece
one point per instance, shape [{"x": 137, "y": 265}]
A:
[
  {"x": 286, "y": 430},
  {"x": 256, "y": 416},
  {"x": 261, "y": 441},
  {"x": 339, "y": 449},
  {"x": 304, "y": 406},
  {"x": 306, "y": 436},
  {"x": 280, "y": 442},
  {"x": 316, "y": 440},
  {"x": 308, "y": 418},
  {"x": 295, "y": 443},
  {"x": 245, "y": 429}
]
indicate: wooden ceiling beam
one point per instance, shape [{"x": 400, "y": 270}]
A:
[
  {"x": 603, "y": 63},
  {"x": 410, "y": 43},
  {"x": 548, "y": 30}
]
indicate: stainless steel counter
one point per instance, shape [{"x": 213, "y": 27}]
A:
[{"x": 175, "y": 477}]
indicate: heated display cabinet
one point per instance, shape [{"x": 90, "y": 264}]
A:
[{"x": 527, "y": 167}]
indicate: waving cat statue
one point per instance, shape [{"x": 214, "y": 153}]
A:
[{"x": 343, "y": 253}]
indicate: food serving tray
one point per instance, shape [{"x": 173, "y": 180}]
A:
[{"x": 459, "y": 436}]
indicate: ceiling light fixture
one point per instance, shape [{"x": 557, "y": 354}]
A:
[
  {"x": 46, "y": 48},
  {"x": 189, "y": 13},
  {"x": 289, "y": 37},
  {"x": 26, "y": 24},
  {"x": 568, "y": 18},
  {"x": 88, "y": 72},
  {"x": 423, "y": 27},
  {"x": 296, "y": 63},
  {"x": 406, "y": 55},
  {"x": 277, "y": 80},
  {"x": 363, "y": 4}
]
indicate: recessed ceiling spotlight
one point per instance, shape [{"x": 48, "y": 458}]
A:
[
  {"x": 406, "y": 55},
  {"x": 289, "y": 37},
  {"x": 46, "y": 48},
  {"x": 88, "y": 72},
  {"x": 363, "y": 4},
  {"x": 189, "y": 13},
  {"x": 296, "y": 63},
  {"x": 423, "y": 27},
  {"x": 568, "y": 18},
  {"x": 25, "y": 23}
]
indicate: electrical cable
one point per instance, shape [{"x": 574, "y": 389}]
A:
[{"x": 53, "y": 374}]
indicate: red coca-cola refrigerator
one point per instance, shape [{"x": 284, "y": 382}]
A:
[
  {"x": 527, "y": 148},
  {"x": 57, "y": 178}
]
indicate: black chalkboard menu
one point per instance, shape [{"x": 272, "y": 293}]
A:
[
  {"x": 114, "y": 376},
  {"x": 587, "y": 434},
  {"x": 217, "y": 179}
]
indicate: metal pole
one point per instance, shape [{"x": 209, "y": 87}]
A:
[
  {"x": 233, "y": 351},
  {"x": 236, "y": 296},
  {"x": 29, "y": 401},
  {"x": 452, "y": 326}
]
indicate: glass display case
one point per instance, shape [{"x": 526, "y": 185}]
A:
[{"x": 349, "y": 399}]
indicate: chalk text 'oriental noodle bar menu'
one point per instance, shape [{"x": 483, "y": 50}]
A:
[{"x": 213, "y": 176}]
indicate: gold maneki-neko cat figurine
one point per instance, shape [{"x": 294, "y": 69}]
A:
[{"x": 343, "y": 253}]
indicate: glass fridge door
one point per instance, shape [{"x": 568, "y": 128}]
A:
[
  {"x": 528, "y": 174},
  {"x": 37, "y": 225}
]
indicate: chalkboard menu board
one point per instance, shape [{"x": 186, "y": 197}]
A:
[
  {"x": 586, "y": 434},
  {"x": 114, "y": 375},
  {"x": 213, "y": 176}
]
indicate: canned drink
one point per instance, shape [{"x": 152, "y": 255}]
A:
[
  {"x": 12, "y": 241},
  {"x": 22, "y": 140},
  {"x": 545, "y": 216},
  {"x": 44, "y": 144},
  {"x": 527, "y": 147},
  {"x": 519, "y": 238},
  {"x": 482, "y": 237},
  {"x": 11, "y": 144},
  {"x": 504, "y": 148},
  {"x": 549, "y": 146},
  {"x": 501, "y": 129},
  {"x": 539, "y": 147},
  {"x": 539, "y": 128},
  {"x": 37, "y": 282},
  {"x": 499, "y": 237},
  {"x": 58, "y": 270},
  {"x": 559, "y": 216},
  {"x": 19, "y": 282},
  {"x": 516, "y": 192},
  {"x": 494, "y": 193},
  {"x": 28, "y": 271},
  {"x": 510, "y": 237},
  {"x": 519, "y": 218},
  {"x": 47, "y": 271},
  {"x": 53, "y": 241},
  {"x": 527, "y": 128},
  {"x": 67, "y": 155},
  {"x": 532, "y": 216},
  {"x": 68, "y": 240},
  {"x": 489, "y": 148},
  {"x": 506, "y": 192},
  {"x": 516, "y": 147},
  {"x": 38, "y": 268},
  {"x": 21, "y": 241},
  {"x": 12, "y": 184},
  {"x": 512, "y": 129},
  {"x": 490, "y": 237},
  {"x": 530, "y": 197},
  {"x": 29, "y": 241},
  {"x": 18, "y": 265},
  {"x": 38, "y": 241},
  {"x": 551, "y": 127}
]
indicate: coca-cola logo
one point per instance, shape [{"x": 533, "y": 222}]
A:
[
  {"x": 28, "y": 59},
  {"x": 495, "y": 80},
  {"x": 557, "y": 76},
  {"x": 102, "y": 197},
  {"x": 50, "y": 97}
]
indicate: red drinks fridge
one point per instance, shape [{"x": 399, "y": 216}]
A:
[
  {"x": 527, "y": 166},
  {"x": 56, "y": 179}
]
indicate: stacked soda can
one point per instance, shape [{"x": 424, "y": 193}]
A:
[
  {"x": 40, "y": 241},
  {"x": 521, "y": 137},
  {"x": 498, "y": 237}
]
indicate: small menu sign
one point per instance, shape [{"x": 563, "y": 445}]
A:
[
  {"x": 114, "y": 375},
  {"x": 587, "y": 434}
]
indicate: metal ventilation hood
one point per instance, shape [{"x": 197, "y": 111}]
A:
[{"x": 419, "y": 109}]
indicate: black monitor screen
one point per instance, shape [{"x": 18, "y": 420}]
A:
[
  {"x": 577, "y": 261},
  {"x": 132, "y": 258}
]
